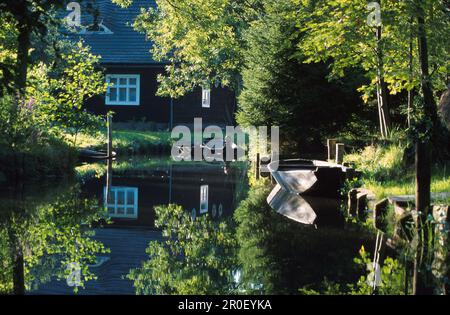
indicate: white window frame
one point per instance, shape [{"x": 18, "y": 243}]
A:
[
  {"x": 204, "y": 196},
  {"x": 108, "y": 101},
  {"x": 206, "y": 98},
  {"x": 114, "y": 190}
]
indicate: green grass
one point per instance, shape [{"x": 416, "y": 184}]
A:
[
  {"x": 127, "y": 136},
  {"x": 38, "y": 161},
  {"x": 127, "y": 141},
  {"x": 130, "y": 138},
  {"x": 379, "y": 162},
  {"x": 406, "y": 186},
  {"x": 386, "y": 173},
  {"x": 138, "y": 142}
]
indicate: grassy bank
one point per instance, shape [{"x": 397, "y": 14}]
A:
[
  {"x": 440, "y": 185},
  {"x": 387, "y": 170},
  {"x": 127, "y": 141},
  {"x": 53, "y": 159}
]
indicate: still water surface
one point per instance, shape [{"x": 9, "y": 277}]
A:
[{"x": 73, "y": 240}]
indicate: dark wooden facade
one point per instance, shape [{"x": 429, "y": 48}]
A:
[
  {"x": 123, "y": 50},
  {"x": 162, "y": 110}
]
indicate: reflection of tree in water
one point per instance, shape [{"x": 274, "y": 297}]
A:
[
  {"x": 38, "y": 239},
  {"x": 261, "y": 253},
  {"x": 279, "y": 256},
  {"x": 237, "y": 179},
  {"x": 197, "y": 256}
]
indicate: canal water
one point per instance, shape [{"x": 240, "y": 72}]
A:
[{"x": 113, "y": 233}]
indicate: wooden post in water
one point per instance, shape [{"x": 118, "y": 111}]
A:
[
  {"x": 361, "y": 205},
  {"x": 352, "y": 202},
  {"x": 331, "y": 146},
  {"x": 257, "y": 166},
  {"x": 379, "y": 214},
  {"x": 340, "y": 153},
  {"x": 109, "y": 144}
]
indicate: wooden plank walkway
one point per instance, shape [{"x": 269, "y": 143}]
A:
[
  {"x": 127, "y": 247},
  {"x": 412, "y": 198}
]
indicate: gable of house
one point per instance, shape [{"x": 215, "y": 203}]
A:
[
  {"x": 115, "y": 41},
  {"x": 132, "y": 73}
]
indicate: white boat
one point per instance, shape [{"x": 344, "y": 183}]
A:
[{"x": 314, "y": 177}]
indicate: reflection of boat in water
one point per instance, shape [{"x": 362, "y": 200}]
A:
[
  {"x": 305, "y": 209},
  {"x": 86, "y": 155},
  {"x": 214, "y": 149},
  {"x": 292, "y": 206},
  {"x": 312, "y": 177}
]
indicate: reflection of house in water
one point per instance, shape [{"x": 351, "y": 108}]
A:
[
  {"x": 130, "y": 204},
  {"x": 123, "y": 202},
  {"x": 198, "y": 189},
  {"x": 204, "y": 190},
  {"x": 127, "y": 248}
]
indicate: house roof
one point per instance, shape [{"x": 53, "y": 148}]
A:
[{"x": 123, "y": 45}]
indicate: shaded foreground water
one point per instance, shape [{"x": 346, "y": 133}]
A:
[{"x": 69, "y": 239}]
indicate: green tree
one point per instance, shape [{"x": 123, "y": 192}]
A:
[
  {"x": 44, "y": 81},
  {"x": 279, "y": 89},
  {"x": 411, "y": 53},
  {"x": 200, "y": 40},
  {"x": 391, "y": 279},
  {"x": 59, "y": 90},
  {"x": 426, "y": 122},
  {"x": 339, "y": 30},
  {"x": 26, "y": 18}
]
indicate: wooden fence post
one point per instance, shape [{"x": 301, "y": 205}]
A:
[
  {"x": 379, "y": 214},
  {"x": 274, "y": 156},
  {"x": 331, "y": 146},
  {"x": 340, "y": 153},
  {"x": 109, "y": 176},
  {"x": 361, "y": 205},
  {"x": 352, "y": 202}
]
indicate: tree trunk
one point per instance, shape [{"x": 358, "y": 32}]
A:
[
  {"x": 410, "y": 70},
  {"x": 23, "y": 47},
  {"x": 22, "y": 58},
  {"x": 383, "y": 107},
  {"x": 423, "y": 160}
]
